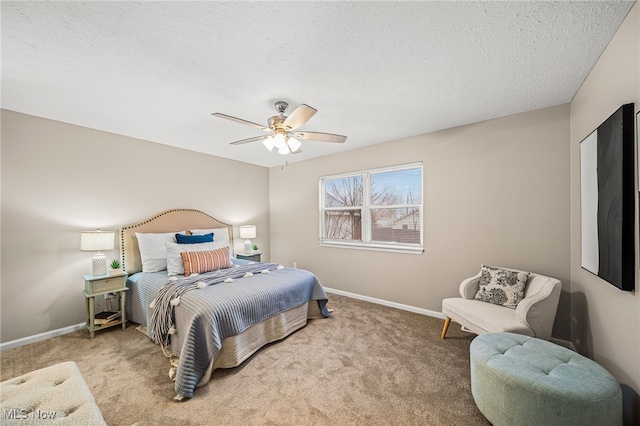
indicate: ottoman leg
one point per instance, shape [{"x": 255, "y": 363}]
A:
[{"x": 445, "y": 327}]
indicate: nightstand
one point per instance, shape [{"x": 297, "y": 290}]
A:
[
  {"x": 255, "y": 257},
  {"x": 96, "y": 285}
]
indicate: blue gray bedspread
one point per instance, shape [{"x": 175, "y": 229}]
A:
[{"x": 203, "y": 317}]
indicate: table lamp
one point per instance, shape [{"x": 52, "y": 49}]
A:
[
  {"x": 248, "y": 232},
  {"x": 97, "y": 241}
]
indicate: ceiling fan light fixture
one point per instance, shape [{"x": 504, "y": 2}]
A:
[
  {"x": 281, "y": 128},
  {"x": 269, "y": 143},
  {"x": 279, "y": 141},
  {"x": 283, "y": 150},
  {"x": 294, "y": 144}
]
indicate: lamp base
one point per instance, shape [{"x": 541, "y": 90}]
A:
[
  {"x": 247, "y": 247},
  {"x": 99, "y": 264}
]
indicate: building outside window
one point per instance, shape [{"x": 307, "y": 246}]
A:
[{"x": 376, "y": 209}]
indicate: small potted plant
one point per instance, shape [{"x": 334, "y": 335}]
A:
[
  {"x": 115, "y": 267},
  {"x": 255, "y": 247}
]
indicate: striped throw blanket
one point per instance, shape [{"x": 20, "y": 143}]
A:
[
  {"x": 196, "y": 314},
  {"x": 162, "y": 314}
]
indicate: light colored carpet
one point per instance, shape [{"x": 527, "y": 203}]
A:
[{"x": 367, "y": 364}]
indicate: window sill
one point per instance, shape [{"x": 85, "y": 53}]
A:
[{"x": 415, "y": 249}]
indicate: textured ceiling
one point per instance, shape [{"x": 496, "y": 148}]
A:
[{"x": 376, "y": 71}]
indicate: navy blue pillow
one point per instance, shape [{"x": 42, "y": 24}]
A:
[{"x": 194, "y": 239}]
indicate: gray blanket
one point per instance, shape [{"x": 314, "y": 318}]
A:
[{"x": 202, "y": 317}]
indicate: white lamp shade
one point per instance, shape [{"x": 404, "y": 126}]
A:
[
  {"x": 268, "y": 142},
  {"x": 294, "y": 144},
  {"x": 248, "y": 231},
  {"x": 278, "y": 141},
  {"x": 283, "y": 150},
  {"x": 96, "y": 240}
]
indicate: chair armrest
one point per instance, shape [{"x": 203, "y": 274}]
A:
[
  {"x": 469, "y": 287},
  {"x": 538, "y": 311}
]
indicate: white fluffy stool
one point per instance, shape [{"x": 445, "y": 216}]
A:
[{"x": 55, "y": 395}]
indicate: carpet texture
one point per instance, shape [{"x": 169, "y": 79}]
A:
[{"x": 367, "y": 364}]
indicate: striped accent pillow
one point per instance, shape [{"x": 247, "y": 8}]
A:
[{"x": 205, "y": 261}]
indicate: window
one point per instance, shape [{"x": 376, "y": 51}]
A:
[{"x": 378, "y": 209}]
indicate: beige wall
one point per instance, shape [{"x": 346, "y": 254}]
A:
[
  {"x": 502, "y": 192},
  {"x": 495, "y": 192},
  {"x": 605, "y": 322},
  {"x": 59, "y": 179}
]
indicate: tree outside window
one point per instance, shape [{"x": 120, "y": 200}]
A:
[{"x": 379, "y": 208}]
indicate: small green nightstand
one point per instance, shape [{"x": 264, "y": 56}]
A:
[
  {"x": 96, "y": 285},
  {"x": 255, "y": 256}
]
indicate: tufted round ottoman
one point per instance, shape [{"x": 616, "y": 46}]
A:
[{"x": 521, "y": 380}]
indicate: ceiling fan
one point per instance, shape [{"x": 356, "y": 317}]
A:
[{"x": 281, "y": 129}]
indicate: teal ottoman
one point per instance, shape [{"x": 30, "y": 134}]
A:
[{"x": 521, "y": 380}]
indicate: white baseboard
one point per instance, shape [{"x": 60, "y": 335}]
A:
[
  {"x": 42, "y": 336},
  {"x": 387, "y": 303},
  {"x": 59, "y": 332},
  {"x": 561, "y": 342},
  {"x": 66, "y": 330}
]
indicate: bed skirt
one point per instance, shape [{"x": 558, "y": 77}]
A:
[{"x": 236, "y": 349}]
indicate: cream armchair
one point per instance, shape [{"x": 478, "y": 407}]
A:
[{"x": 533, "y": 316}]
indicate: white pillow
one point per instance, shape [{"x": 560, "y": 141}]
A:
[
  {"x": 174, "y": 260},
  {"x": 220, "y": 235},
  {"x": 153, "y": 252}
]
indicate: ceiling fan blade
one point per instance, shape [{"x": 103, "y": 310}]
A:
[
  {"x": 321, "y": 137},
  {"x": 298, "y": 117},
  {"x": 254, "y": 139},
  {"x": 241, "y": 121}
]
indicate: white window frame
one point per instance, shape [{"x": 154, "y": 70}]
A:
[{"x": 366, "y": 243}]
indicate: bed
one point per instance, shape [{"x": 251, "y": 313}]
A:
[{"x": 204, "y": 317}]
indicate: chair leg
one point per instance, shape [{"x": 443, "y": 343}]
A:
[{"x": 445, "y": 327}]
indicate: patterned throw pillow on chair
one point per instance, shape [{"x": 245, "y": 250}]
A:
[{"x": 501, "y": 286}]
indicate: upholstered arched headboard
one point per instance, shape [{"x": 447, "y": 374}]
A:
[{"x": 169, "y": 221}]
